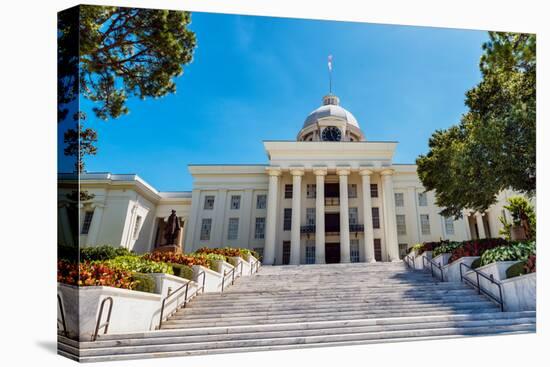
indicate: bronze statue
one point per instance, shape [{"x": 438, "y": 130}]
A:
[{"x": 172, "y": 229}]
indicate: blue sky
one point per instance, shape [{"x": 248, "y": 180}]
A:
[{"x": 257, "y": 78}]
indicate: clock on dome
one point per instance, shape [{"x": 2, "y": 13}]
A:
[{"x": 331, "y": 133}]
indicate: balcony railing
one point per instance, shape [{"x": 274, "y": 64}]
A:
[
  {"x": 307, "y": 229},
  {"x": 332, "y": 201}
]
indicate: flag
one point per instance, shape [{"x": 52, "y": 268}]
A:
[{"x": 330, "y": 62}]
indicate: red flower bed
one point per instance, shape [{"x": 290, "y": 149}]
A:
[
  {"x": 476, "y": 247},
  {"x": 175, "y": 258},
  {"x": 87, "y": 274}
]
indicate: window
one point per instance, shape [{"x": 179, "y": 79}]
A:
[
  {"x": 233, "y": 229},
  {"x": 377, "y": 249},
  {"x": 310, "y": 216},
  {"x": 206, "y": 227},
  {"x": 235, "y": 202},
  {"x": 401, "y": 224},
  {"x": 261, "y": 202},
  {"x": 422, "y": 199},
  {"x": 137, "y": 226},
  {"x": 354, "y": 251},
  {"x": 260, "y": 251},
  {"x": 373, "y": 190},
  {"x": 425, "y": 223},
  {"x": 209, "y": 202},
  {"x": 286, "y": 252},
  {"x": 399, "y": 199},
  {"x": 310, "y": 252},
  {"x": 449, "y": 225},
  {"x": 352, "y": 191},
  {"x": 311, "y": 191},
  {"x": 87, "y": 222},
  {"x": 287, "y": 220},
  {"x": 353, "y": 216},
  {"x": 288, "y": 191},
  {"x": 375, "y": 218},
  {"x": 259, "y": 231},
  {"x": 402, "y": 250}
]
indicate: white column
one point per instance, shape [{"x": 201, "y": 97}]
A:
[
  {"x": 271, "y": 220},
  {"x": 390, "y": 226},
  {"x": 344, "y": 215},
  {"x": 368, "y": 244},
  {"x": 480, "y": 226},
  {"x": 320, "y": 215},
  {"x": 94, "y": 226},
  {"x": 295, "y": 224}
]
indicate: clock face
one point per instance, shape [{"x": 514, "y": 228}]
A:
[{"x": 331, "y": 133}]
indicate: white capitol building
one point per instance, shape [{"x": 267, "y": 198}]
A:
[{"x": 330, "y": 196}]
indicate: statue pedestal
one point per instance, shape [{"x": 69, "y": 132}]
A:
[{"x": 168, "y": 248}]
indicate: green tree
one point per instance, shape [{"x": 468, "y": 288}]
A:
[
  {"x": 494, "y": 145},
  {"x": 109, "y": 54}
]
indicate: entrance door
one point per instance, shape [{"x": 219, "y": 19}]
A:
[{"x": 332, "y": 253}]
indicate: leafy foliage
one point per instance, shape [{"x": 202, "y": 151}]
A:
[
  {"x": 476, "y": 247},
  {"x": 102, "y": 253},
  {"x": 524, "y": 267},
  {"x": 138, "y": 264},
  {"x": 446, "y": 247},
  {"x": 516, "y": 251},
  {"x": 493, "y": 147},
  {"x": 176, "y": 258},
  {"x": 228, "y": 252},
  {"x": 476, "y": 263},
  {"x": 93, "y": 274},
  {"x": 418, "y": 248},
  {"x": 107, "y": 54},
  {"x": 523, "y": 214},
  {"x": 144, "y": 282},
  {"x": 182, "y": 271}
]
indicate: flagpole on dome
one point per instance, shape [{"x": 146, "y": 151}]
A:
[{"x": 330, "y": 74}]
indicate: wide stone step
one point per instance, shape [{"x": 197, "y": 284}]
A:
[
  {"x": 348, "y": 315},
  {"x": 316, "y": 339},
  {"x": 494, "y": 315},
  {"x": 253, "y": 291},
  {"x": 277, "y": 308},
  {"x": 350, "y": 329},
  {"x": 366, "y": 297}
]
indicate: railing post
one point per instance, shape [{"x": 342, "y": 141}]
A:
[
  {"x": 223, "y": 279},
  {"x": 185, "y": 297},
  {"x": 478, "y": 285}
]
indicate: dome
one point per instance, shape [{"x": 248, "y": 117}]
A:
[{"x": 331, "y": 108}]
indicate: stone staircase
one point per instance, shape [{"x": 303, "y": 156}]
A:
[{"x": 284, "y": 307}]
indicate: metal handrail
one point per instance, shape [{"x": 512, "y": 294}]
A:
[
  {"x": 98, "y": 324},
  {"x": 255, "y": 264},
  {"x": 60, "y": 305},
  {"x": 186, "y": 298},
  {"x": 408, "y": 258},
  {"x": 232, "y": 273},
  {"x": 480, "y": 290},
  {"x": 432, "y": 264}
]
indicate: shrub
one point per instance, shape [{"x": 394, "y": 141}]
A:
[
  {"x": 516, "y": 251},
  {"x": 476, "y": 247},
  {"x": 144, "y": 282},
  {"x": 69, "y": 253},
  {"x": 176, "y": 258},
  {"x": 90, "y": 274},
  {"x": 102, "y": 253},
  {"x": 525, "y": 267},
  {"x": 182, "y": 271},
  {"x": 476, "y": 263},
  {"x": 228, "y": 252},
  {"x": 445, "y": 247},
  {"x": 139, "y": 265},
  {"x": 418, "y": 248}
]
